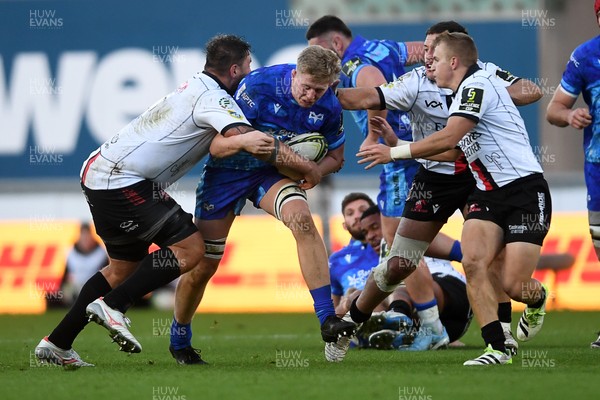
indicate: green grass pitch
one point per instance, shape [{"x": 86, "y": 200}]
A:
[{"x": 280, "y": 356}]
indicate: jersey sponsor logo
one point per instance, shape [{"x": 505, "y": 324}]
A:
[
  {"x": 433, "y": 104},
  {"x": 276, "y": 107},
  {"x": 469, "y": 144},
  {"x": 225, "y": 102},
  {"x": 248, "y": 100},
  {"x": 471, "y": 99},
  {"x": 350, "y": 66},
  {"x": 234, "y": 114},
  {"x": 315, "y": 117},
  {"x": 435, "y": 207},
  {"x": 348, "y": 258}
]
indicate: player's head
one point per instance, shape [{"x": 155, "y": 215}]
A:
[
  {"x": 353, "y": 206},
  {"x": 453, "y": 54},
  {"x": 228, "y": 57},
  {"x": 316, "y": 70},
  {"x": 370, "y": 226},
  {"x": 330, "y": 32},
  {"x": 432, "y": 33}
]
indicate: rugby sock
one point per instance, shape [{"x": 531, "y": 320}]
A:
[
  {"x": 155, "y": 270},
  {"x": 456, "y": 252},
  {"x": 429, "y": 316},
  {"x": 322, "y": 302},
  {"x": 67, "y": 330},
  {"x": 401, "y": 306},
  {"x": 358, "y": 316},
  {"x": 181, "y": 335},
  {"x": 505, "y": 312},
  {"x": 540, "y": 302},
  {"x": 492, "y": 334}
]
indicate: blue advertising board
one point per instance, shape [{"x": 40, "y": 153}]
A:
[{"x": 72, "y": 73}]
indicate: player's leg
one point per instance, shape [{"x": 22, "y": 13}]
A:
[
  {"x": 482, "y": 240},
  {"x": 191, "y": 287},
  {"x": 56, "y": 348},
  {"x": 405, "y": 254},
  {"x": 287, "y": 202},
  {"x": 109, "y": 209},
  {"x": 521, "y": 259},
  {"x": 504, "y": 304},
  {"x": 220, "y": 196},
  {"x": 592, "y": 177},
  {"x": 162, "y": 221}
]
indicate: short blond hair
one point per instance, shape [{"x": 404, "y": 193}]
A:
[
  {"x": 458, "y": 45},
  {"x": 322, "y": 64}
]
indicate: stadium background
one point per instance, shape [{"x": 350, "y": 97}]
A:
[{"x": 73, "y": 72}]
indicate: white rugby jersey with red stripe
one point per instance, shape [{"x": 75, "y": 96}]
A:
[
  {"x": 167, "y": 140},
  {"x": 428, "y": 106},
  {"x": 497, "y": 149}
]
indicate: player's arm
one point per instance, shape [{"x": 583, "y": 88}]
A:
[
  {"x": 524, "y": 92},
  {"x": 241, "y": 137},
  {"x": 560, "y": 111},
  {"x": 441, "y": 141},
  {"x": 362, "y": 98},
  {"x": 332, "y": 162},
  {"x": 370, "y": 77}
]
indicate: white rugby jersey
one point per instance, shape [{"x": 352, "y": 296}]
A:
[
  {"x": 497, "y": 149},
  {"x": 428, "y": 107},
  {"x": 442, "y": 268},
  {"x": 167, "y": 140}
]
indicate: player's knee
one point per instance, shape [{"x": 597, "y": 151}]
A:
[
  {"x": 300, "y": 223},
  {"x": 201, "y": 273},
  {"x": 398, "y": 269},
  {"x": 473, "y": 267},
  {"x": 116, "y": 272}
]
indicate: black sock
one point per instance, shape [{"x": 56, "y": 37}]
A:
[
  {"x": 358, "y": 316},
  {"x": 505, "y": 312},
  {"x": 155, "y": 270},
  {"x": 67, "y": 330},
  {"x": 401, "y": 306},
  {"x": 492, "y": 334},
  {"x": 540, "y": 302}
]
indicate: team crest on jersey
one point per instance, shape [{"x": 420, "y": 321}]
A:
[
  {"x": 315, "y": 117},
  {"x": 471, "y": 99},
  {"x": 225, "y": 103},
  {"x": 350, "y": 66}
]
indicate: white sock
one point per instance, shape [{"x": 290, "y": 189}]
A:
[{"x": 430, "y": 318}]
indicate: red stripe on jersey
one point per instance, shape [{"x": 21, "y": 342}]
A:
[
  {"x": 460, "y": 165},
  {"x": 484, "y": 175},
  {"x": 87, "y": 167}
]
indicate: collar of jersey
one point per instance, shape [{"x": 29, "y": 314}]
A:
[
  {"x": 472, "y": 69},
  {"x": 221, "y": 85}
]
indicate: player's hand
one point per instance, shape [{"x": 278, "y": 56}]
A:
[
  {"x": 374, "y": 154},
  {"x": 579, "y": 118},
  {"x": 382, "y": 128},
  {"x": 311, "y": 178},
  {"x": 369, "y": 141},
  {"x": 258, "y": 143}
]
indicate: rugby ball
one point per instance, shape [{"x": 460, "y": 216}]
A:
[{"x": 312, "y": 145}]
